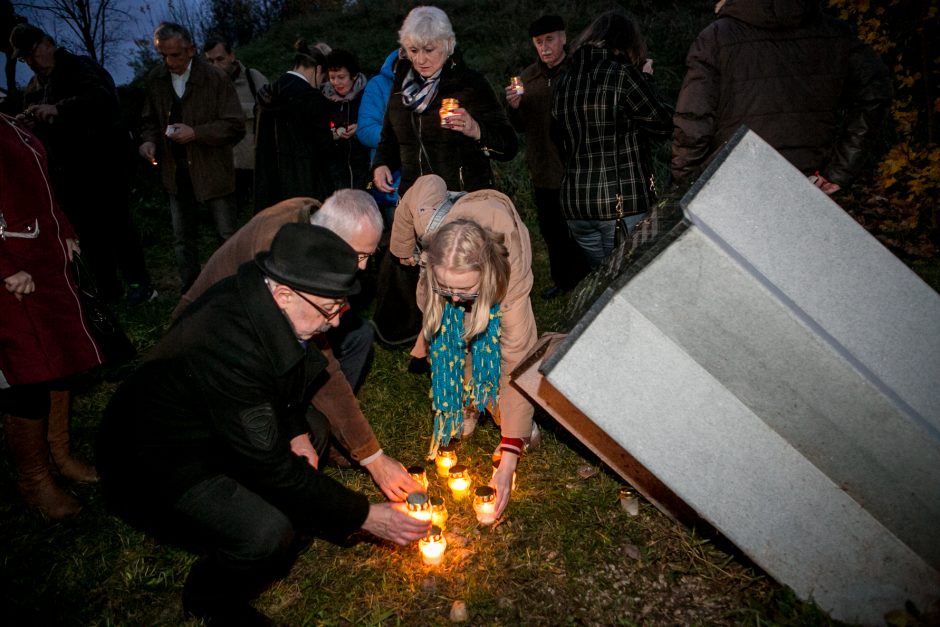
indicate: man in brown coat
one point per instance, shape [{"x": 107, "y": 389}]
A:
[
  {"x": 530, "y": 112},
  {"x": 191, "y": 120},
  {"x": 354, "y": 216}
]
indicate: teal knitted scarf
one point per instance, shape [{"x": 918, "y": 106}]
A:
[{"x": 448, "y": 357}]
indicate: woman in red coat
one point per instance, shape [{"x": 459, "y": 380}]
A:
[{"x": 43, "y": 337}]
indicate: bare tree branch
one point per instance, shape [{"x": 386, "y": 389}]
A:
[{"x": 92, "y": 26}]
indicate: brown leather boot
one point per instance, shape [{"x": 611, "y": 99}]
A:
[
  {"x": 27, "y": 440},
  {"x": 69, "y": 467}
]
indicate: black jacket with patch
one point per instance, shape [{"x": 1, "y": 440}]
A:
[{"x": 224, "y": 392}]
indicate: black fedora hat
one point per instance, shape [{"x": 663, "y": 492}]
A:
[{"x": 311, "y": 259}]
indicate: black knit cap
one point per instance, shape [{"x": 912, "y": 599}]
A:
[
  {"x": 546, "y": 24},
  {"x": 311, "y": 259},
  {"x": 24, "y": 38}
]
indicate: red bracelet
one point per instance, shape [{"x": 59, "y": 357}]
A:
[{"x": 512, "y": 445}]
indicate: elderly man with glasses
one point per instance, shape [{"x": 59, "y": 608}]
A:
[
  {"x": 213, "y": 441},
  {"x": 353, "y": 215}
]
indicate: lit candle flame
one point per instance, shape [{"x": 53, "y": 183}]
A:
[{"x": 432, "y": 547}]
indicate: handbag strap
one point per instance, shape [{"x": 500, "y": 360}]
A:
[{"x": 438, "y": 217}]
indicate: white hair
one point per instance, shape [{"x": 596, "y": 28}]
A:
[
  {"x": 345, "y": 212},
  {"x": 426, "y": 25}
]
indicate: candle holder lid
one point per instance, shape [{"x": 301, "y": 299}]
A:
[
  {"x": 415, "y": 470},
  {"x": 457, "y": 470},
  {"x": 436, "y": 501},
  {"x": 417, "y": 498},
  {"x": 450, "y": 446},
  {"x": 485, "y": 493},
  {"x": 435, "y": 531}
]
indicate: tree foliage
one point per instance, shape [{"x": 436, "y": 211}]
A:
[{"x": 899, "y": 205}]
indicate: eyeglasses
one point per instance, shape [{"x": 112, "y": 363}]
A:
[
  {"x": 27, "y": 57},
  {"x": 341, "y": 307},
  {"x": 468, "y": 296},
  {"x": 364, "y": 256}
]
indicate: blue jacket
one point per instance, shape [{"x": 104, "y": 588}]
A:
[
  {"x": 372, "y": 116},
  {"x": 372, "y": 107}
]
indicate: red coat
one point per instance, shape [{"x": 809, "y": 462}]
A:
[{"x": 43, "y": 336}]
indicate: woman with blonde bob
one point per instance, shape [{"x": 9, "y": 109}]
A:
[{"x": 479, "y": 323}]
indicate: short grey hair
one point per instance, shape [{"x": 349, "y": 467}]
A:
[
  {"x": 345, "y": 211},
  {"x": 426, "y": 25},
  {"x": 171, "y": 30}
]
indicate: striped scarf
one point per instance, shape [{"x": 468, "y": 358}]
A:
[
  {"x": 448, "y": 357},
  {"x": 418, "y": 92}
]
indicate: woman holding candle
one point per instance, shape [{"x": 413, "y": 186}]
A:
[
  {"x": 413, "y": 136},
  {"x": 416, "y": 140},
  {"x": 478, "y": 319}
]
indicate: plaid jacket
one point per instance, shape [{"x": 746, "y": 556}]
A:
[{"x": 605, "y": 114}]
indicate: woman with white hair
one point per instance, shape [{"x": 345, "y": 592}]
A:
[
  {"x": 416, "y": 142},
  {"x": 414, "y": 138}
]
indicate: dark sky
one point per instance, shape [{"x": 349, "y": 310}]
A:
[{"x": 145, "y": 16}]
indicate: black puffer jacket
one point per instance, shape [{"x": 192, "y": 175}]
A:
[
  {"x": 417, "y": 144},
  {"x": 796, "y": 77}
]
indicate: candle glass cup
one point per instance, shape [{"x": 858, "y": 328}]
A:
[
  {"x": 432, "y": 547},
  {"x": 484, "y": 505},
  {"x": 459, "y": 482}
]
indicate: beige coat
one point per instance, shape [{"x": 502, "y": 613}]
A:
[{"x": 493, "y": 211}]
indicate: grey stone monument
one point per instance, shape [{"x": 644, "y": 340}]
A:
[{"x": 779, "y": 370}]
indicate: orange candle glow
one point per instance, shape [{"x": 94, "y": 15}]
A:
[
  {"x": 445, "y": 460},
  {"x": 484, "y": 504},
  {"x": 418, "y": 474},
  {"x": 432, "y": 547},
  {"x": 419, "y": 507},
  {"x": 438, "y": 512},
  {"x": 459, "y": 482}
]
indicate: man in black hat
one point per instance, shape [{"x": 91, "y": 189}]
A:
[
  {"x": 72, "y": 105},
  {"x": 211, "y": 440},
  {"x": 530, "y": 112}
]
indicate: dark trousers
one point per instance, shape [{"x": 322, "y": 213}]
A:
[
  {"x": 352, "y": 342},
  {"x": 109, "y": 239},
  {"x": 566, "y": 262},
  {"x": 184, "y": 213},
  {"x": 246, "y": 541}
]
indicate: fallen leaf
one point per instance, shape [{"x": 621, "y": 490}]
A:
[{"x": 586, "y": 471}]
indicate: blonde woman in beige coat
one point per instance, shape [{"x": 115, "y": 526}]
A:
[{"x": 477, "y": 257}]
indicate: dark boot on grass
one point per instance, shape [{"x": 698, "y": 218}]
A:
[
  {"x": 218, "y": 597},
  {"x": 58, "y": 436},
  {"x": 30, "y": 451}
]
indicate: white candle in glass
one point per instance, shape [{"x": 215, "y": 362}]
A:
[
  {"x": 484, "y": 504},
  {"x": 432, "y": 547},
  {"x": 459, "y": 482}
]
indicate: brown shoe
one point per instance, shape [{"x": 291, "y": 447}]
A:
[
  {"x": 58, "y": 436},
  {"x": 30, "y": 451}
]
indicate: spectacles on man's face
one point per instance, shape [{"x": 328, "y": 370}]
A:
[
  {"x": 465, "y": 296},
  {"x": 29, "y": 57},
  {"x": 340, "y": 307},
  {"x": 364, "y": 256}
]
